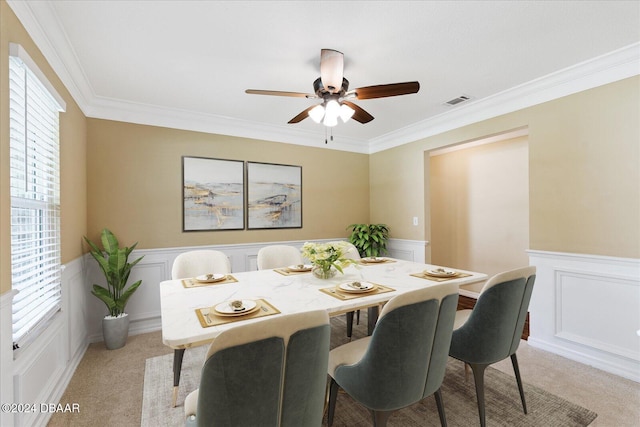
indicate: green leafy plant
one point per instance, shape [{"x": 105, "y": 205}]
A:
[
  {"x": 369, "y": 239},
  {"x": 114, "y": 262}
]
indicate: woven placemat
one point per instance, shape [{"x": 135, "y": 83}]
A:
[
  {"x": 287, "y": 272},
  {"x": 336, "y": 293},
  {"x": 193, "y": 283},
  {"x": 265, "y": 309},
  {"x": 424, "y": 275}
]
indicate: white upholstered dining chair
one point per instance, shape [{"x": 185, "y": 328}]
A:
[
  {"x": 278, "y": 256},
  {"x": 187, "y": 265},
  {"x": 201, "y": 261}
]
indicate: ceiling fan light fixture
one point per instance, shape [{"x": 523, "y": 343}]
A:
[
  {"x": 346, "y": 112},
  {"x": 317, "y": 113},
  {"x": 330, "y": 121},
  {"x": 331, "y": 113}
]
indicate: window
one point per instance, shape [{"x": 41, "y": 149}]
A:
[{"x": 35, "y": 197}]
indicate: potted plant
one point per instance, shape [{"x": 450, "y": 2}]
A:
[
  {"x": 114, "y": 263},
  {"x": 369, "y": 239}
]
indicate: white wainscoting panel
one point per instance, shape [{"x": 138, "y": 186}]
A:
[
  {"x": 74, "y": 305},
  {"x": 6, "y": 356},
  {"x": 38, "y": 372},
  {"x": 587, "y": 308},
  {"x": 408, "y": 250}
]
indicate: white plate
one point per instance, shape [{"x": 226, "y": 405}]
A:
[
  {"x": 441, "y": 272},
  {"x": 373, "y": 259},
  {"x": 210, "y": 278},
  {"x": 364, "y": 287},
  {"x": 225, "y": 308},
  {"x": 299, "y": 268}
]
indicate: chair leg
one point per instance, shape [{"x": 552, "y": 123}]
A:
[
  {"x": 333, "y": 395},
  {"x": 516, "y": 369},
  {"x": 478, "y": 376},
  {"x": 349, "y": 324},
  {"x": 178, "y": 354},
  {"x": 380, "y": 418},
  {"x": 439, "y": 403}
]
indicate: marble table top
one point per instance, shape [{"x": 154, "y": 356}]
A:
[{"x": 289, "y": 294}]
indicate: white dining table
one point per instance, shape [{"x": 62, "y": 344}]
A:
[{"x": 294, "y": 293}]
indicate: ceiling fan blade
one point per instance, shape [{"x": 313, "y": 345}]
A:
[
  {"x": 360, "y": 115},
  {"x": 331, "y": 69},
  {"x": 383, "y": 91},
  {"x": 300, "y": 117},
  {"x": 280, "y": 93}
]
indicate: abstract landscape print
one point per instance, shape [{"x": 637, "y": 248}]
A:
[
  {"x": 213, "y": 194},
  {"x": 274, "y": 196}
]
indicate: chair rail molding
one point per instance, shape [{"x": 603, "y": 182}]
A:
[{"x": 587, "y": 308}]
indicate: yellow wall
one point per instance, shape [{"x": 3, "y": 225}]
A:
[
  {"x": 480, "y": 207},
  {"x": 135, "y": 184},
  {"x": 72, "y": 152},
  {"x": 584, "y": 173}
]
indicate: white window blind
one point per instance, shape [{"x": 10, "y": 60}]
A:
[{"x": 35, "y": 197}]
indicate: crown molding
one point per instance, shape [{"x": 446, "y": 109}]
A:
[
  {"x": 608, "y": 68},
  {"x": 41, "y": 22},
  {"x": 152, "y": 115}
]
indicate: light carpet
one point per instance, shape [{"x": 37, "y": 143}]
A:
[{"x": 503, "y": 406}]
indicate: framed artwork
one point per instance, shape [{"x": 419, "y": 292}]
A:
[
  {"x": 212, "y": 194},
  {"x": 274, "y": 196}
]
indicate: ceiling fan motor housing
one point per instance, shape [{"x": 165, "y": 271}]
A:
[{"x": 319, "y": 89}]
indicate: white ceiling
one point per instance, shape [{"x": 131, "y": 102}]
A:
[{"x": 186, "y": 64}]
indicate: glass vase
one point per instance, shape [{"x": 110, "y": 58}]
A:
[{"x": 322, "y": 273}]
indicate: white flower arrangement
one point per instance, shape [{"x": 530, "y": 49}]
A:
[{"x": 327, "y": 255}]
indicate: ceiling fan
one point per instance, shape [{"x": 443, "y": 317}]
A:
[{"x": 334, "y": 91}]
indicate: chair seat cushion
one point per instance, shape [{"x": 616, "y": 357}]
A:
[
  {"x": 347, "y": 354},
  {"x": 461, "y": 318}
]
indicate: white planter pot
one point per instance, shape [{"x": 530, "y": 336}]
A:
[{"x": 115, "y": 331}]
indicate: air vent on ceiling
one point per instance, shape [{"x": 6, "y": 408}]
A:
[{"x": 458, "y": 100}]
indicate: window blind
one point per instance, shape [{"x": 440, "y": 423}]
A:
[{"x": 35, "y": 199}]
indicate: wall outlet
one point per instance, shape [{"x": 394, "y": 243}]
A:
[{"x": 415, "y": 220}]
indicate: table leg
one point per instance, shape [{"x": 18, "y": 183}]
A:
[
  {"x": 349, "y": 323},
  {"x": 177, "y": 367},
  {"x": 372, "y": 318}
]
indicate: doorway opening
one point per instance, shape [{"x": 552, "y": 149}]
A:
[{"x": 478, "y": 204}]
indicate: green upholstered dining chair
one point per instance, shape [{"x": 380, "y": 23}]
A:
[
  {"x": 268, "y": 373},
  {"x": 405, "y": 358},
  {"x": 491, "y": 331},
  {"x": 278, "y": 256}
]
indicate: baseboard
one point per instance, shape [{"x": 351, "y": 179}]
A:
[{"x": 626, "y": 371}]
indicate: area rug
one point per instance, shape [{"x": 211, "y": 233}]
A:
[{"x": 503, "y": 406}]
